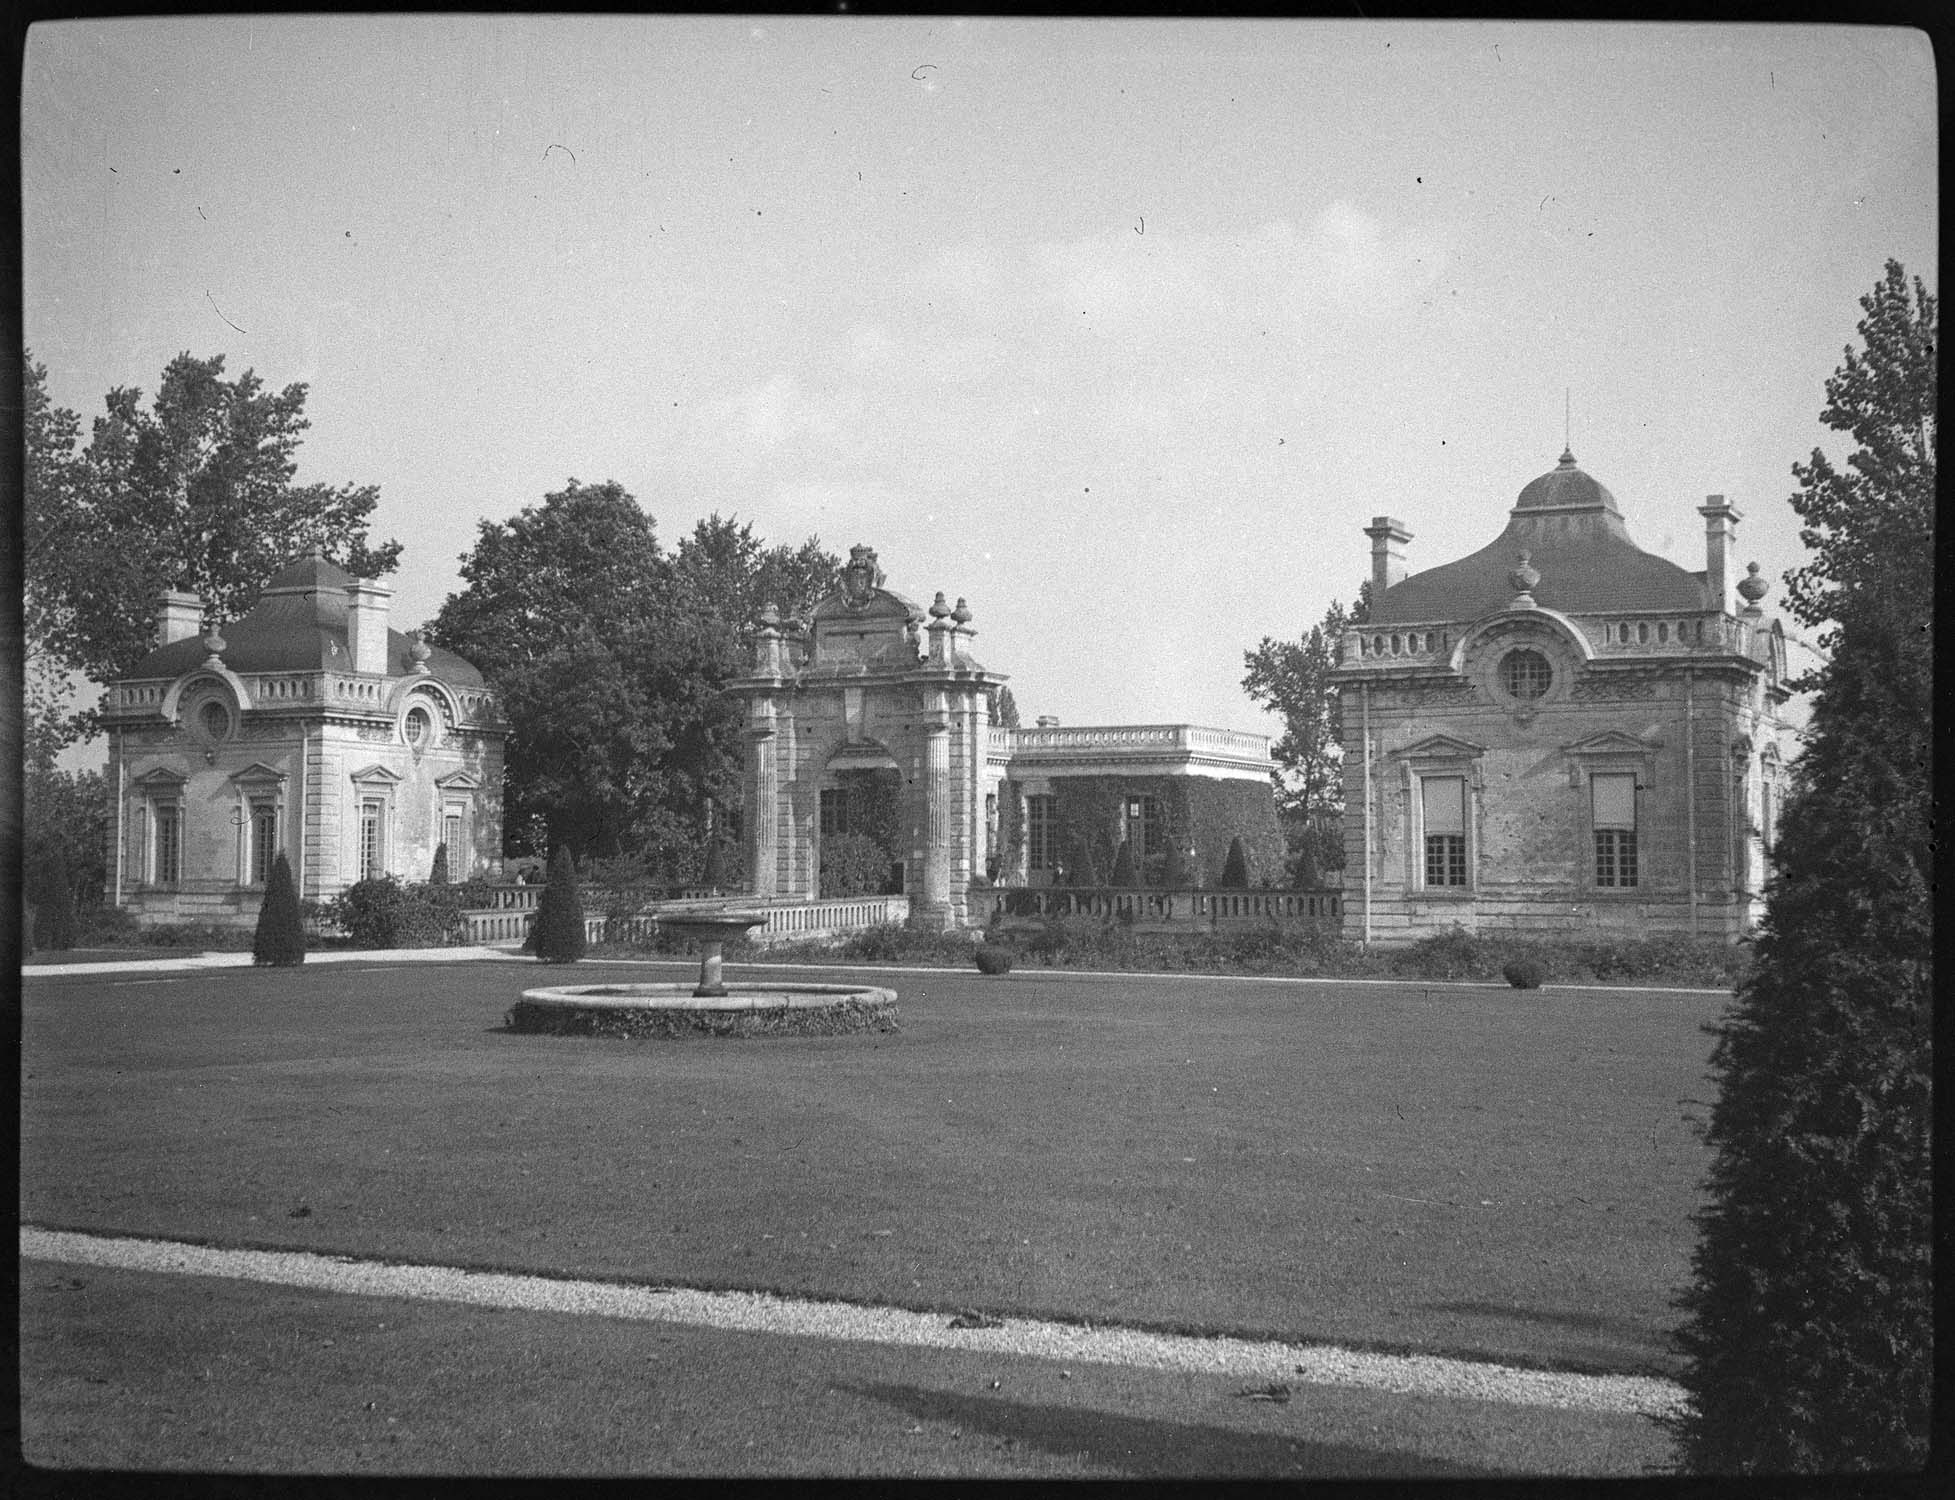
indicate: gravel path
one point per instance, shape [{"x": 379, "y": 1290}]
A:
[{"x": 760, "y": 1313}]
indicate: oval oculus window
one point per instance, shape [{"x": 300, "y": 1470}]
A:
[{"x": 1525, "y": 674}]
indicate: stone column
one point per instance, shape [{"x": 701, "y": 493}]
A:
[
  {"x": 763, "y": 801},
  {"x": 932, "y": 908}
]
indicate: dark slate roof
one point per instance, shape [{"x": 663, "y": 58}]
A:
[
  {"x": 1573, "y": 533},
  {"x": 298, "y": 625}
]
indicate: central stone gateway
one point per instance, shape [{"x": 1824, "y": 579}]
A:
[{"x": 869, "y": 683}]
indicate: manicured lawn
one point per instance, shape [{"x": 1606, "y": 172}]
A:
[{"x": 1485, "y": 1172}]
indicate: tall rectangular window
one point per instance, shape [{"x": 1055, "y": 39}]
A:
[
  {"x": 451, "y": 835},
  {"x": 264, "y": 841},
  {"x": 1443, "y": 805},
  {"x": 166, "y": 866},
  {"x": 1612, "y": 808},
  {"x": 372, "y": 854},
  {"x": 1146, "y": 830},
  {"x": 1040, "y": 831}
]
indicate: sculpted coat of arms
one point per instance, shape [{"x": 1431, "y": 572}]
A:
[{"x": 861, "y": 577}]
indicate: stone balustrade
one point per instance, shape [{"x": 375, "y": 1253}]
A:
[
  {"x": 1167, "y": 908},
  {"x": 1115, "y": 740}
]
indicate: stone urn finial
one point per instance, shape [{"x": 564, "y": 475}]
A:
[
  {"x": 1523, "y": 578},
  {"x": 418, "y": 652},
  {"x": 938, "y": 609},
  {"x": 962, "y": 614},
  {"x": 1753, "y": 586},
  {"x": 214, "y": 643}
]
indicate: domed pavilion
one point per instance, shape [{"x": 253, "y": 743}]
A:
[{"x": 1561, "y": 733}]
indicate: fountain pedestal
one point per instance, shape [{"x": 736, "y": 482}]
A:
[{"x": 711, "y": 929}]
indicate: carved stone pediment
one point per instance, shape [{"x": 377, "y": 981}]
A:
[
  {"x": 1612, "y": 742},
  {"x": 1440, "y": 747}
]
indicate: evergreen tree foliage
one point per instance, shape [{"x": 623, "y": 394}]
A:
[
  {"x": 559, "y": 936},
  {"x": 1123, "y": 865},
  {"x": 53, "y": 895},
  {"x": 1809, "y": 1319},
  {"x": 1004, "y": 709},
  {"x": 438, "y": 874},
  {"x": 280, "y": 938},
  {"x": 1235, "y": 869}
]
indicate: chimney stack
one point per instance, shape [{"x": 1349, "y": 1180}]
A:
[
  {"x": 366, "y": 626},
  {"x": 179, "y": 616},
  {"x": 1388, "y": 539},
  {"x": 1720, "y": 531}
]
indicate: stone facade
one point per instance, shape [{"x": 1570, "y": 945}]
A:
[
  {"x": 874, "y": 686},
  {"x": 308, "y": 727},
  {"x": 1560, "y": 733}
]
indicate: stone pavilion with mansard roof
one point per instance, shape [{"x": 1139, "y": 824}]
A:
[
  {"x": 875, "y": 703},
  {"x": 310, "y": 726},
  {"x": 1561, "y": 733}
]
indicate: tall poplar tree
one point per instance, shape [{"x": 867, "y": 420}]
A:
[{"x": 1809, "y": 1320}]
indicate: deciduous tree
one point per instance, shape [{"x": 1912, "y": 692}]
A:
[
  {"x": 195, "y": 491},
  {"x": 1809, "y": 1320},
  {"x": 1293, "y": 679},
  {"x": 609, "y": 658}
]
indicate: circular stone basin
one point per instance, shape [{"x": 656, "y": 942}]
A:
[{"x": 664, "y": 1010}]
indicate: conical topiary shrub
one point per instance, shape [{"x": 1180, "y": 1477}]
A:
[
  {"x": 1235, "y": 869},
  {"x": 713, "y": 876},
  {"x": 439, "y": 874},
  {"x": 54, "y": 915},
  {"x": 280, "y": 939},
  {"x": 1123, "y": 865},
  {"x": 1082, "y": 871},
  {"x": 1177, "y": 874},
  {"x": 560, "y": 916}
]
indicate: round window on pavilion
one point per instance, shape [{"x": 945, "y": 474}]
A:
[
  {"x": 214, "y": 720},
  {"x": 1525, "y": 674},
  {"x": 418, "y": 727}
]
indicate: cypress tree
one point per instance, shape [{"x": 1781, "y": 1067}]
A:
[
  {"x": 1809, "y": 1319},
  {"x": 1235, "y": 869},
  {"x": 280, "y": 938},
  {"x": 54, "y": 917},
  {"x": 439, "y": 874},
  {"x": 560, "y": 915}
]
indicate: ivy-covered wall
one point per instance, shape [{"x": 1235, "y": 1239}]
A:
[{"x": 1198, "y": 813}]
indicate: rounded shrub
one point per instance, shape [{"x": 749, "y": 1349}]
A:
[
  {"x": 1522, "y": 974},
  {"x": 560, "y": 916},
  {"x": 992, "y": 959},
  {"x": 280, "y": 938}
]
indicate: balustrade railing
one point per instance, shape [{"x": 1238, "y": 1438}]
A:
[{"x": 1188, "y": 908}]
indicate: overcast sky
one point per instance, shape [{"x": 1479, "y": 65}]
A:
[{"x": 1124, "y": 330}]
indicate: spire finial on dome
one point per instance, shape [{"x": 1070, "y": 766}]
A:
[{"x": 1567, "y": 458}]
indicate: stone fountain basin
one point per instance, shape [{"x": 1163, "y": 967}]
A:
[{"x": 673, "y": 1010}]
